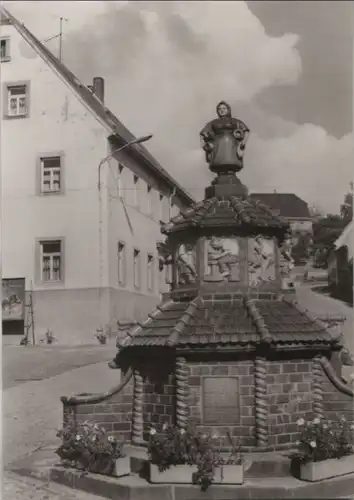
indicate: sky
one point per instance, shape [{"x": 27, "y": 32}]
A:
[{"x": 285, "y": 67}]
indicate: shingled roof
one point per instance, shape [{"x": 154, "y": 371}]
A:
[
  {"x": 112, "y": 124},
  {"x": 234, "y": 320},
  {"x": 286, "y": 204},
  {"x": 225, "y": 211}
]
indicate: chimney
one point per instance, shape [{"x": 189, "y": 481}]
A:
[{"x": 98, "y": 88}]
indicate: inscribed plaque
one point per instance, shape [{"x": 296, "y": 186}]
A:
[{"x": 221, "y": 401}]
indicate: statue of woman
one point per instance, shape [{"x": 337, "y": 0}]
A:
[{"x": 224, "y": 141}]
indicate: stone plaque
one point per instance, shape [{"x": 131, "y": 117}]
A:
[{"x": 221, "y": 401}]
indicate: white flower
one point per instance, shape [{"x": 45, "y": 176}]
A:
[
  {"x": 316, "y": 421},
  {"x": 152, "y": 431},
  {"x": 352, "y": 427},
  {"x": 78, "y": 437},
  {"x": 94, "y": 438},
  {"x": 342, "y": 419},
  {"x": 165, "y": 426},
  {"x": 313, "y": 444},
  {"x": 325, "y": 426},
  {"x": 300, "y": 422},
  {"x": 111, "y": 439},
  {"x": 182, "y": 431},
  {"x": 297, "y": 443}
]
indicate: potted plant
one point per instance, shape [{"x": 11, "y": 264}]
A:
[
  {"x": 88, "y": 447},
  {"x": 187, "y": 456},
  {"x": 101, "y": 336},
  {"x": 325, "y": 449},
  {"x": 49, "y": 337}
]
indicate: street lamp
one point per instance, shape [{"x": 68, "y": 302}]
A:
[{"x": 139, "y": 140}]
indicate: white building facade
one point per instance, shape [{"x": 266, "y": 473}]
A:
[{"x": 89, "y": 255}]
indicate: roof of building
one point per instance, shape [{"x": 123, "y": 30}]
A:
[
  {"x": 346, "y": 239},
  {"x": 234, "y": 320},
  {"x": 225, "y": 211},
  {"x": 113, "y": 125},
  {"x": 286, "y": 204}
]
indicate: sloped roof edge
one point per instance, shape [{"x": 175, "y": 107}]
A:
[
  {"x": 109, "y": 121},
  {"x": 346, "y": 239}
]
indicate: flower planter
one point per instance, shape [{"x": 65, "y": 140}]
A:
[
  {"x": 104, "y": 466},
  {"x": 182, "y": 474},
  {"x": 317, "y": 471},
  {"x": 122, "y": 467}
]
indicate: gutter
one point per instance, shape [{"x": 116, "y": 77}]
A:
[{"x": 141, "y": 152}]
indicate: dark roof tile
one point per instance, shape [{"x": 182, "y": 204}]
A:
[
  {"x": 286, "y": 204},
  {"x": 225, "y": 212},
  {"x": 229, "y": 323}
]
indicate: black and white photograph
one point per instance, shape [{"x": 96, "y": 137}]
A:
[{"x": 177, "y": 242}]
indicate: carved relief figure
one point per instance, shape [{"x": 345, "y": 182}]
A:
[
  {"x": 222, "y": 256},
  {"x": 261, "y": 260},
  {"x": 165, "y": 260},
  {"x": 224, "y": 140},
  {"x": 186, "y": 264},
  {"x": 286, "y": 263}
]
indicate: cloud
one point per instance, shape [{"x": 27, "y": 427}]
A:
[{"x": 167, "y": 64}]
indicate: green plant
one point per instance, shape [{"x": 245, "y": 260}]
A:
[
  {"x": 88, "y": 447},
  {"x": 320, "y": 440},
  {"x": 175, "y": 446}
]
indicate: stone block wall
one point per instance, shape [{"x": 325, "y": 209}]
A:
[
  {"x": 158, "y": 395},
  {"x": 289, "y": 397},
  {"x": 243, "y": 430},
  {"x": 114, "y": 412},
  {"x": 335, "y": 402}
]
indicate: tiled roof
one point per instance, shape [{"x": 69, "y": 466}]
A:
[
  {"x": 286, "y": 204},
  {"x": 113, "y": 125},
  {"x": 226, "y": 323},
  {"x": 222, "y": 211}
]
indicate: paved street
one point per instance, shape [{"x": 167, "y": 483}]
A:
[
  {"x": 323, "y": 305},
  {"x": 16, "y": 487},
  {"x": 26, "y": 363},
  {"x": 32, "y": 411}
]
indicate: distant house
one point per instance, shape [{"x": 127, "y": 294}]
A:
[
  {"x": 340, "y": 265},
  {"x": 291, "y": 207}
]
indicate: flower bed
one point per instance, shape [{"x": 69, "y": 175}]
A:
[
  {"x": 186, "y": 456},
  {"x": 88, "y": 447},
  {"x": 325, "y": 449}
]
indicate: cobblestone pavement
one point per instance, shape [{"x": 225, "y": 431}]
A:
[
  {"x": 26, "y": 363},
  {"x": 32, "y": 411},
  {"x": 17, "y": 487}
]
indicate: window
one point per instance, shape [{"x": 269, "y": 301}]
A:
[
  {"x": 51, "y": 174},
  {"x": 51, "y": 260},
  {"x": 121, "y": 263},
  {"x": 136, "y": 191},
  {"x": 161, "y": 208},
  {"x": 136, "y": 268},
  {"x": 150, "y": 272},
  {"x": 17, "y": 100},
  {"x": 149, "y": 199},
  {"x": 120, "y": 182},
  {"x": 4, "y": 49}
]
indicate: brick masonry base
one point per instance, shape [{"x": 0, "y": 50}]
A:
[{"x": 289, "y": 395}]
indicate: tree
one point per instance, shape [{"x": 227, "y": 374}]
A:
[
  {"x": 325, "y": 232},
  {"x": 346, "y": 209}
]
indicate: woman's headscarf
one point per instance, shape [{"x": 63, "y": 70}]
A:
[{"x": 224, "y": 104}]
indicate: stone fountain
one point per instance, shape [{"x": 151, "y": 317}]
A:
[{"x": 229, "y": 348}]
